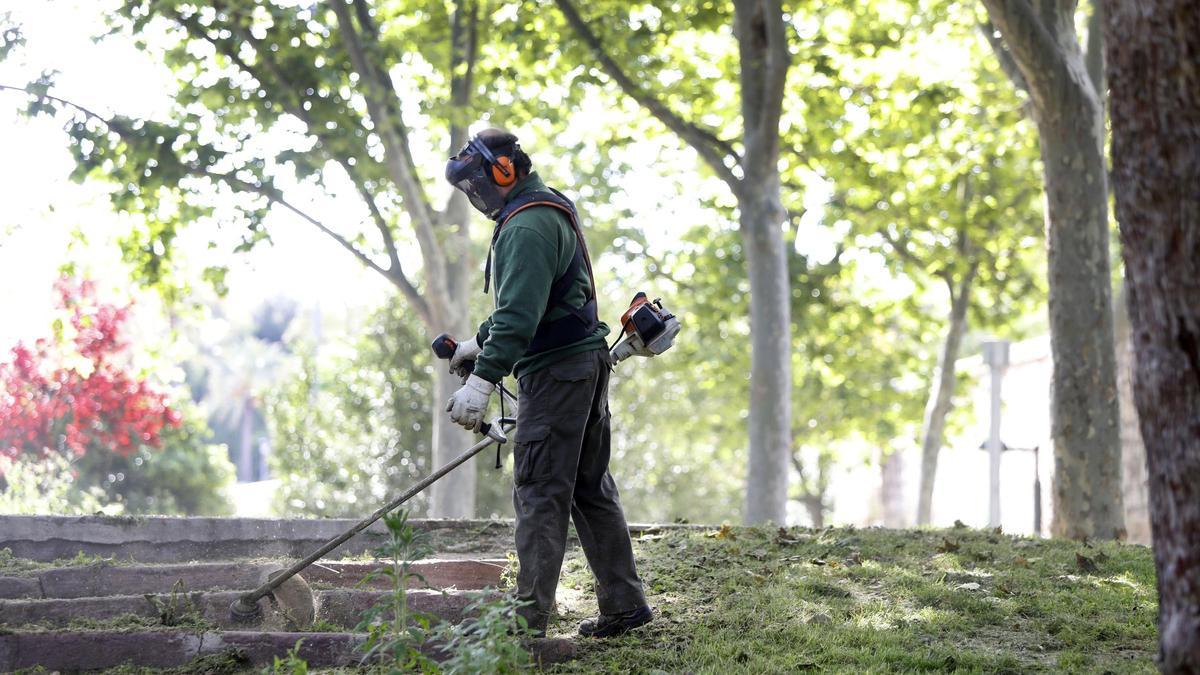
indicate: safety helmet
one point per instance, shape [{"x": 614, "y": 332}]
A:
[{"x": 479, "y": 171}]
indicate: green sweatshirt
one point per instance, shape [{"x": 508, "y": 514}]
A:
[{"x": 534, "y": 247}]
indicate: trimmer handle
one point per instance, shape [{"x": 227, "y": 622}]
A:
[{"x": 444, "y": 346}]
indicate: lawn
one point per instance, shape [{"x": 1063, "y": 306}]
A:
[{"x": 760, "y": 600}]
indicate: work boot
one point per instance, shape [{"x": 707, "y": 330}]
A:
[{"x": 609, "y": 625}]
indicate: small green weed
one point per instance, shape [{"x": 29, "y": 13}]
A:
[
  {"x": 487, "y": 642},
  {"x": 291, "y": 664},
  {"x": 395, "y": 633}
]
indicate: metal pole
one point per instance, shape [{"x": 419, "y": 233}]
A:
[
  {"x": 995, "y": 352},
  {"x": 1037, "y": 494}
]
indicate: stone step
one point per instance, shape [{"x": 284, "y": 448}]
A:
[
  {"x": 164, "y": 539},
  {"x": 93, "y": 650},
  {"x": 341, "y": 607},
  {"x": 100, "y": 580}
]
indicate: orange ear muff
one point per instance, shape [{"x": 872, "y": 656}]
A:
[{"x": 503, "y": 171}]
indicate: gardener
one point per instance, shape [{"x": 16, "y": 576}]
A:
[{"x": 545, "y": 329}]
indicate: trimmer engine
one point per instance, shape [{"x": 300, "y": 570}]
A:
[{"x": 648, "y": 329}]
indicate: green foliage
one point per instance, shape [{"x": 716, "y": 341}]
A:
[
  {"x": 351, "y": 424},
  {"x": 395, "y": 633},
  {"x": 44, "y": 485},
  {"x": 488, "y": 641},
  {"x": 845, "y": 600},
  {"x": 291, "y": 663},
  {"x": 189, "y": 476}
]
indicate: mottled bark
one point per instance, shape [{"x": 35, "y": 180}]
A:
[
  {"x": 1135, "y": 494},
  {"x": 1153, "y": 48},
  {"x": 770, "y": 359},
  {"x": 763, "y": 53},
  {"x": 1040, "y": 37},
  {"x": 941, "y": 396}
]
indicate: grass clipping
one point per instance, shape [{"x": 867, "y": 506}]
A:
[{"x": 846, "y": 600}]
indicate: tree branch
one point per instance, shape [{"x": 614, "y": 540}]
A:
[
  {"x": 395, "y": 274},
  {"x": 901, "y": 247},
  {"x": 1094, "y": 58},
  {"x": 1007, "y": 65},
  {"x": 381, "y": 100},
  {"x": 710, "y": 148},
  {"x": 1032, "y": 45},
  {"x": 775, "y": 74}
]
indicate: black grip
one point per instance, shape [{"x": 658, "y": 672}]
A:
[{"x": 444, "y": 346}]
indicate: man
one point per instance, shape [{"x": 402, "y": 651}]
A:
[{"x": 545, "y": 330}]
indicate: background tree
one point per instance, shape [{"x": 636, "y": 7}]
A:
[
  {"x": 938, "y": 175},
  {"x": 1038, "y": 46},
  {"x": 750, "y": 172},
  {"x": 1155, "y": 87}
]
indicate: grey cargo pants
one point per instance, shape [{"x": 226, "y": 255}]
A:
[{"x": 561, "y": 470}]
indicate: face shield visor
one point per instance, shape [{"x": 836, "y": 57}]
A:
[{"x": 467, "y": 172}]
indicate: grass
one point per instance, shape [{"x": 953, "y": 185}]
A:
[
  {"x": 758, "y": 600},
  {"x": 765, "y": 600}
]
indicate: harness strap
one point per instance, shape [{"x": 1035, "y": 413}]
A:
[{"x": 580, "y": 322}]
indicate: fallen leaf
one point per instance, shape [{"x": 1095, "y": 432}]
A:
[
  {"x": 948, "y": 546},
  {"x": 818, "y": 561},
  {"x": 971, "y": 586},
  {"x": 726, "y": 532}
]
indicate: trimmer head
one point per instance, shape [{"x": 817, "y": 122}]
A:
[{"x": 291, "y": 606}]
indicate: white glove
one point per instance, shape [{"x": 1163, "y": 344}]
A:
[
  {"x": 468, "y": 405},
  {"x": 466, "y": 350}
]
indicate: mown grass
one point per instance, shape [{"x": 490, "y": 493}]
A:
[{"x": 759, "y": 600}]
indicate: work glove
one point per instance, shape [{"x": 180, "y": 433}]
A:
[
  {"x": 466, "y": 350},
  {"x": 468, "y": 405}
]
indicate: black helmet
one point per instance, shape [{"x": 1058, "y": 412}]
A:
[{"x": 482, "y": 167}]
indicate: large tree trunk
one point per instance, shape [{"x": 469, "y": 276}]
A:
[
  {"x": 1134, "y": 488},
  {"x": 1087, "y": 442},
  {"x": 1153, "y": 51},
  {"x": 941, "y": 397},
  {"x": 454, "y": 495},
  {"x": 1042, "y": 44},
  {"x": 764, "y": 59},
  {"x": 770, "y": 355}
]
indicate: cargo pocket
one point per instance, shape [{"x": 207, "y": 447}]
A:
[
  {"x": 572, "y": 370},
  {"x": 573, "y": 385},
  {"x": 531, "y": 456}
]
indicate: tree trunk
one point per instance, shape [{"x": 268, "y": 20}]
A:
[
  {"x": 1087, "y": 444},
  {"x": 762, "y": 217},
  {"x": 891, "y": 490},
  {"x": 940, "y": 399},
  {"x": 1040, "y": 39},
  {"x": 1152, "y": 49},
  {"x": 1134, "y": 489},
  {"x": 245, "y": 463},
  {"x": 454, "y": 495}
]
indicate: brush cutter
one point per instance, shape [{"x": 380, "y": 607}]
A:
[{"x": 647, "y": 329}]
